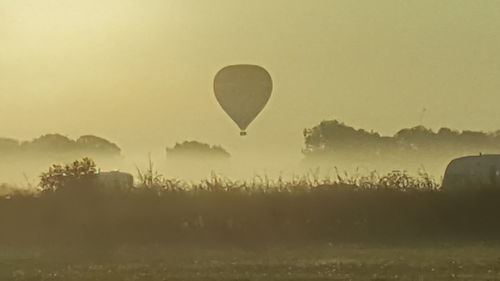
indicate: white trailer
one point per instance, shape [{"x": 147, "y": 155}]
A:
[
  {"x": 473, "y": 172},
  {"x": 115, "y": 179}
]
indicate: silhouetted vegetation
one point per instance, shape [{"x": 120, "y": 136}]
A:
[
  {"x": 377, "y": 208},
  {"x": 194, "y": 159},
  {"x": 197, "y": 149},
  {"x": 60, "y": 176},
  {"x": 56, "y": 145},
  {"x": 24, "y": 160},
  {"x": 338, "y": 143},
  {"x": 74, "y": 230}
]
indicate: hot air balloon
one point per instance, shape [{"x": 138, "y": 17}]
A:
[{"x": 242, "y": 91}]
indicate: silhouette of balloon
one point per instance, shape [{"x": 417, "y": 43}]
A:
[{"x": 242, "y": 91}]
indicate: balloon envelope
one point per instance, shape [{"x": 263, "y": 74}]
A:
[{"x": 243, "y": 91}]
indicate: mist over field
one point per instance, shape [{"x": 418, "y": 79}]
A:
[
  {"x": 331, "y": 148},
  {"x": 249, "y": 140}
]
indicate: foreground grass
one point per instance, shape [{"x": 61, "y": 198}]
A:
[{"x": 330, "y": 262}]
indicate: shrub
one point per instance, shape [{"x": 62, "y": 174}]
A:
[{"x": 59, "y": 176}]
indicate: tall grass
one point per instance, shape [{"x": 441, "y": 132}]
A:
[{"x": 217, "y": 211}]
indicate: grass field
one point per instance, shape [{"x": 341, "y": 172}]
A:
[{"x": 327, "y": 262}]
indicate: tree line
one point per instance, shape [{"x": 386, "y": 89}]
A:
[
  {"x": 56, "y": 144},
  {"x": 329, "y": 140},
  {"x": 335, "y": 140}
]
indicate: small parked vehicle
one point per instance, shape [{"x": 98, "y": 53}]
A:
[
  {"x": 473, "y": 172},
  {"x": 114, "y": 179}
]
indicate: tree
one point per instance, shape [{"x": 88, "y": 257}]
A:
[
  {"x": 197, "y": 149},
  {"x": 50, "y": 143},
  {"x": 333, "y": 141},
  {"x": 94, "y": 144},
  {"x": 336, "y": 137}
]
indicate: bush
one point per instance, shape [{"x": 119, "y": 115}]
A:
[{"x": 59, "y": 176}]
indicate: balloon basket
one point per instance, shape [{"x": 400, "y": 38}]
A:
[{"x": 243, "y": 133}]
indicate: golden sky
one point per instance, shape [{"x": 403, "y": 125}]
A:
[{"x": 140, "y": 72}]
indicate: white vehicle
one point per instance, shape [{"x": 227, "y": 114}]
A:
[{"x": 115, "y": 179}]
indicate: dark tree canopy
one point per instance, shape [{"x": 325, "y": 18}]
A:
[
  {"x": 197, "y": 149},
  {"x": 94, "y": 143},
  {"x": 333, "y": 139},
  {"x": 50, "y": 143},
  {"x": 56, "y": 145}
]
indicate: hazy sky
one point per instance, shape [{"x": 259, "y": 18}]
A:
[{"x": 140, "y": 72}]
